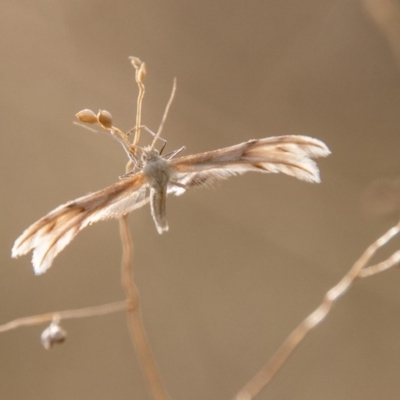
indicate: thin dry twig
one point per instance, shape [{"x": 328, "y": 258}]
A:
[
  {"x": 358, "y": 270},
  {"x": 140, "y": 68},
  {"x": 380, "y": 267},
  {"x": 135, "y": 322},
  {"x": 63, "y": 315}
]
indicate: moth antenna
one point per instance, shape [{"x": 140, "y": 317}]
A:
[
  {"x": 171, "y": 98},
  {"x": 148, "y": 130}
]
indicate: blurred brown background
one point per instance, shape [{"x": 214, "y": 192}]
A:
[{"x": 243, "y": 263}]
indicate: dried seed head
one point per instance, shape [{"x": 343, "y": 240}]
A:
[
  {"x": 52, "y": 335},
  {"x": 136, "y": 62},
  {"x": 104, "y": 118},
  {"x": 87, "y": 116},
  {"x": 140, "y": 67}
]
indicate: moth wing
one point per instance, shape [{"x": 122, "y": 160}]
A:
[
  {"x": 52, "y": 233},
  {"x": 292, "y": 155}
]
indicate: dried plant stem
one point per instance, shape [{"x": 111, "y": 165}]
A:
[
  {"x": 358, "y": 270},
  {"x": 380, "y": 267},
  {"x": 139, "y": 113},
  {"x": 385, "y": 14},
  {"x": 140, "y": 68},
  {"x": 63, "y": 315},
  {"x": 136, "y": 327}
]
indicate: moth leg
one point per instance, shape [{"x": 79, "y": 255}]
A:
[
  {"x": 174, "y": 153},
  {"x": 134, "y": 169},
  {"x": 133, "y": 172},
  {"x": 163, "y": 146}
]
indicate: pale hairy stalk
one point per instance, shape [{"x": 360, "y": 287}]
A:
[
  {"x": 358, "y": 270},
  {"x": 138, "y": 115},
  {"x": 63, "y": 315},
  {"x": 385, "y": 14},
  {"x": 140, "y": 75},
  {"x": 135, "y": 322}
]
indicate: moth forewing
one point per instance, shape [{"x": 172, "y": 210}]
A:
[
  {"x": 291, "y": 155},
  {"x": 52, "y": 233}
]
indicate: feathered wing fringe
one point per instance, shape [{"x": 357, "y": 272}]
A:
[{"x": 291, "y": 155}]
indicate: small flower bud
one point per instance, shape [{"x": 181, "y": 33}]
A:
[
  {"x": 87, "y": 116},
  {"x": 105, "y": 119},
  {"x": 52, "y": 335}
]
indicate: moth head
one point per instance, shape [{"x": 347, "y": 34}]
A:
[{"x": 149, "y": 154}]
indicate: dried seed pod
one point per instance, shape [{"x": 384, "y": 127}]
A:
[
  {"x": 87, "y": 116},
  {"x": 52, "y": 335},
  {"x": 104, "y": 118},
  {"x": 136, "y": 62}
]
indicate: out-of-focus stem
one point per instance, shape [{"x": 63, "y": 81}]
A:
[{"x": 135, "y": 322}]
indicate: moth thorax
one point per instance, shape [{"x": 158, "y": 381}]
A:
[{"x": 157, "y": 171}]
